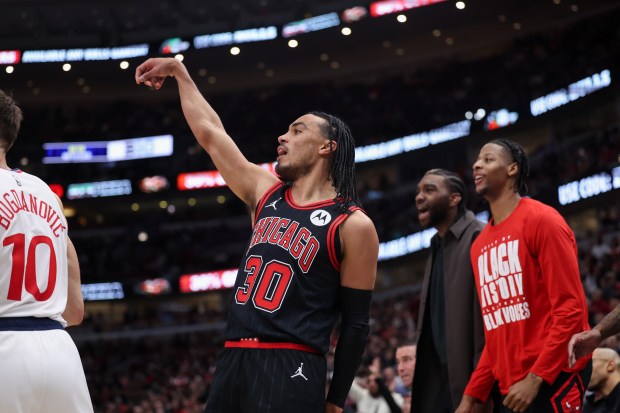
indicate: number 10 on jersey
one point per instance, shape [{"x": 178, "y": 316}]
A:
[{"x": 24, "y": 267}]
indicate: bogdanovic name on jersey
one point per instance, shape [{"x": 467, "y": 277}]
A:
[
  {"x": 14, "y": 202},
  {"x": 287, "y": 234}
]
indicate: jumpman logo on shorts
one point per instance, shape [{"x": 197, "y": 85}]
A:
[
  {"x": 273, "y": 204},
  {"x": 299, "y": 373}
]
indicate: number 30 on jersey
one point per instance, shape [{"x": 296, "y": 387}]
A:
[{"x": 266, "y": 285}]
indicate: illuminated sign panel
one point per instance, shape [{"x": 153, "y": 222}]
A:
[
  {"x": 575, "y": 91},
  {"x": 324, "y": 21},
  {"x": 103, "y": 291},
  {"x": 108, "y": 151},
  {"x": 500, "y": 119},
  {"x": 412, "y": 142},
  {"x": 199, "y": 180},
  {"x": 381, "y": 8},
  {"x": 589, "y": 186},
  {"x": 173, "y": 45},
  {"x": 78, "y": 55},
  {"x": 10, "y": 57},
  {"x": 155, "y": 183},
  {"x": 414, "y": 242},
  {"x": 155, "y": 286},
  {"x": 237, "y": 37},
  {"x": 354, "y": 14},
  {"x": 406, "y": 245},
  {"x": 99, "y": 189},
  {"x": 57, "y": 189},
  {"x": 209, "y": 179},
  {"x": 208, "y": 281}
]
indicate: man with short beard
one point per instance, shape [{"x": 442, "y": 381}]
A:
[{"x": 450, "y": 333}]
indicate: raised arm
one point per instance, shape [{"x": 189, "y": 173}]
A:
[
  {"x": 247, "y": 180},
  {"x": 358, "y": 271}
]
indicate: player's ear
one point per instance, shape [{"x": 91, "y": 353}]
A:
[
  {"x": 513, "y": 169},
  {"x": 455, "y": 198},
  {"x": 327, "y": 147}
]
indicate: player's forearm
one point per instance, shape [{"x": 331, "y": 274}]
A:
[
  {"x": 200, "y": 116},
  {"x": 74, "y": 311},
  {"x": 610, "y": 324},
  {"x": 355, "y": 310}
]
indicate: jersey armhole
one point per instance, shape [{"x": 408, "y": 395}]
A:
[{"x": 334, "y": 248}]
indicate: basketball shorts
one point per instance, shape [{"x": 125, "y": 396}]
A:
[
  {"x": 41, "y": 369},
  {"x": 268, "y": 380}
]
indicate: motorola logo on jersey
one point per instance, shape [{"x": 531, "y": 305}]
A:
[{"x": 320, "y": 218}]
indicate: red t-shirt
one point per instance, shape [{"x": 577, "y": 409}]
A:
[{"x": 531, "y": 297}]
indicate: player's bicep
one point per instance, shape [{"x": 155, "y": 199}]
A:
[
  {"x": 247, "y": 180},
  {"x": 360, "y": 246}
]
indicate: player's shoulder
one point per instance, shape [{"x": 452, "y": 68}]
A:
[
  {"x": 359, "y": 219},
  {"x": 536, "y": 211},
  {"x": 358, "y": 224}
]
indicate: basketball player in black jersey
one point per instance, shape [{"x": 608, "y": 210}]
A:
[{"x": 312, "y": 256}]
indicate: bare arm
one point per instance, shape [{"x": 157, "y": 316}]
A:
[
  {"x": 360, "y": 246},
  {"x": 74, "y": 312},
  {"x": 610, "y": 324},
  {"x": 358, "y": 271},
  {"x": 247, "y": 180},
  {"x": 584, "y": 343}
]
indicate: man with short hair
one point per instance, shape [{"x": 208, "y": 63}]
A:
[
  {"x": 530, "y": 291},
  {"x": 405, "y": 365},
  {"x": 604, "y": 383},
  {"x": 40, "y": 367},
  {"x": 405, "y": 362},
  {"x": 450, "y": 334}
]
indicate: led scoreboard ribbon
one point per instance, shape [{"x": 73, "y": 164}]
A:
[{"x": 108, "y": 151}]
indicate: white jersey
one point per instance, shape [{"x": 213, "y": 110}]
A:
[{"x": 33, "y": 248}]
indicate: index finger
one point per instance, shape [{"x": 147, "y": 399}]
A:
[
  {"x": 571, "y": 351},
  {"x": 140, "y": 70},
  {"x": 509, "y": 401}
]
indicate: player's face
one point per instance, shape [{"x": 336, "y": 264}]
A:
[
  {"x": 432, "y": 200},
  {"x": 405, "y": 363},
  {"x": 298, "y": 149},
  {"x": 492, "y": 170}
]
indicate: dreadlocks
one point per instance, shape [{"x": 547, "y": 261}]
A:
[
  {"x": 518, "y": 155},
  {"x": 342, "y": 166},
  {"x": 455, "y": 183}
]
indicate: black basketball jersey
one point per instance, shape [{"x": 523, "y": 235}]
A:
[{"x": 287, "y": 285}]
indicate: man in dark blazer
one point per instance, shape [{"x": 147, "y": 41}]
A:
[{"x": 449, "y": 332}]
